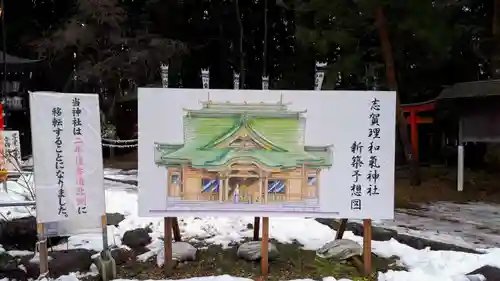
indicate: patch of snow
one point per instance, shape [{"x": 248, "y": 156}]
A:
[
  {"x": 472, "y": 225},
  {"x": 422, "y": 264},
  {"x": 20, "y": 253},
  {"x": 116, "y": 174}
]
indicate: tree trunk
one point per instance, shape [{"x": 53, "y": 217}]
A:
[
  {"x": 242, "y": 55},
  {"x": 264, "y": 54},
  {"x": 385, "y": 43},
  {"x": 495, "y": 56}
]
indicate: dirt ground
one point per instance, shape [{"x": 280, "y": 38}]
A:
[
  {"x": 125, "y": 162},
  {"x": 438, "y": 184},
  {"x": 291, "y": 263}
]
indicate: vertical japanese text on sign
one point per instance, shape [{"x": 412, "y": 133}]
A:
[
  {"x": 356, "y": 164},
  {"x": 12, "y": 149},
  {"x": 16, "y": 147},
  {"x": 81, "y": 197},
  {"x": 373, "y": 148},
  {"x": 57, "y": 128}
]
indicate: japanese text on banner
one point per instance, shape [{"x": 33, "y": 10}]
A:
[
  {"x": 81, "y": 197},
  {"x": 57, "y": 129}
]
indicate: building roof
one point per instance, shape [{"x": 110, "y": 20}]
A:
[
  {"x": 277, "y": 141},
  {"x": 474, "y": 89},
  {"x": 15, "y": 60},
  {"x": 251, "y": 110}
]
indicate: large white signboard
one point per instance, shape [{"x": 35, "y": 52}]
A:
[
  {"x": 11, "y": 151},
  {"x": 67, "y": 158},
  {"x": 266, "y": 153}
]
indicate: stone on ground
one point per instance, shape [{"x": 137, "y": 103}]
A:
[
  {"x": 181, "y": 251},
  {"x": 340, "y": 249},
  {"x": 251, "y": 251},
  {"x": 60, "y": 263},
  {"x": 136, "y": 239},
  {"x": 10, "y": 269},
  {"x": 114, "y": 218},
  {"x": 485, "y": 273},
  {"x": 20, "y": 234}
]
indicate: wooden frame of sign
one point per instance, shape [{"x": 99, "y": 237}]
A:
[
  {"x": 264, "y": 254},
  {"x": 170, "y": 224},
  {"x": 367, "y": 242},
  {"x": 43, "y": 251}
]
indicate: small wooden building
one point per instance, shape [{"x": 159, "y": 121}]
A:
[
  {"x": 475, "y": 106},
  {"x": 21, "y": 78}
]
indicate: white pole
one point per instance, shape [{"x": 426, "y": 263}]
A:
[{"x": 460, "y": 167}]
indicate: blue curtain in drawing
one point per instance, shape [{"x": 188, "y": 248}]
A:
[
  {"x": 276, "y": 186},
  {"x": 210, "y": 185},
  {"x": 311, "y": 180},
  {"x": 175, "y": 179}
]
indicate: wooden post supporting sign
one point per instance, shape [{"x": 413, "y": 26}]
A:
[
  {"x": 176, "y": 230},
  {"x": 256, "y": 228},
  {"x": 42, "y": 250},
  {"x": 341, "y": 230},
  {"x": 167, "y": 244},
  {"x": 367, "y": 242},
  {"x": 170, "y": 224},
  {"x": 264, "y": 254},
  {"x": 367, "y": 246}
]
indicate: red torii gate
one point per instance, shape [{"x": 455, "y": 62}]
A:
[{"x": 414, "y": 119}]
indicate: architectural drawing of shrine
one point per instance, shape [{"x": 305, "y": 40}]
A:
[{"x": 244, "y": 153}]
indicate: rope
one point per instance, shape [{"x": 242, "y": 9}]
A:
[
  {"x": 119, "y": 141},
  {"x": 120, "y": 145}
]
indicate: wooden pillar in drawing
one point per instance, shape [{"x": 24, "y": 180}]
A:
[
  {"x": 226, "y": 187},
  {"x": 221, "y": 189},
  {"x": 266, "y": 188},
  {"x": 316, "y": 189},
  {"x": 261, "y": 184},
  {"x": 305, "y": 185},
  {"x": 183, "y": 180},
  {"x": 169, "y": 193}
]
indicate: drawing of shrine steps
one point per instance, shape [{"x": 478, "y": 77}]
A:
[{"x": 309, "y": 205}]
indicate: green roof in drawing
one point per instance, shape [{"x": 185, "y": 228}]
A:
[{"x": 220, "y": 133}]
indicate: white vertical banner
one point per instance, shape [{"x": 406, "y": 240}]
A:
[
  {"x": 164, "y": 75},
  {"x": 265, "y": 82},
  {"x": 11, "y": 150},
  {"x": 67, "y": 159},
  {"x": 205, "y": 78},
  {"x": 319, "y": 76},
  {"x": 236, "y": 81}
]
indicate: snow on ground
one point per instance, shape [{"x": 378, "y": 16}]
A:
[
  {"x": 74, "y": 277},
  {"x": 120, "y": 174},
  {"x": 472, "y": 225},
  {"x": 422, "y": 264}
]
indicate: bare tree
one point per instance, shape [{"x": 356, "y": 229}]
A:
[{"x": 385, "y": 43}]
